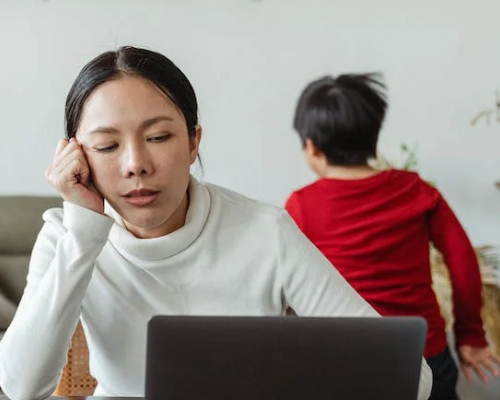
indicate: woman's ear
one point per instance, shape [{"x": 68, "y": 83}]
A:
[{"x": 194, "y": 143}]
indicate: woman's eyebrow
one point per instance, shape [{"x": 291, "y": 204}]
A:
[
  {"x": 103, "y": 129},
  {"x": 152, "y": 121},
  {"x": 144, "y": 125}
]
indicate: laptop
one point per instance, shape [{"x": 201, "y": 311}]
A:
[{"x": 283, "y": 358}]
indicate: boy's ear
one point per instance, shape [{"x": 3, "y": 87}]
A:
[
  {"x": 310, "y": 149},
  {"x": 313, "y": 156}
]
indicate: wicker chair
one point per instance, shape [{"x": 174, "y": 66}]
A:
[{"x": 76, "y": 379}]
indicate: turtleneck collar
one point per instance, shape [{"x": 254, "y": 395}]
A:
[{"x": 157, "y": 249}]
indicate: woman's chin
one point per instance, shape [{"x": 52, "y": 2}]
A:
[{"x": 147, "y": 226}]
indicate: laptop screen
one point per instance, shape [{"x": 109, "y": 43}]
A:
[{"x": 270, "y": 358}]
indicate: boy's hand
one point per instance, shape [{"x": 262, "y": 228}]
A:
[{"x": 479, "y": 360}]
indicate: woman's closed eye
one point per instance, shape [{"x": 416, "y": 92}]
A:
[
  {"x": 112, "y": 147},
  {"x": 160, "y": 138},
  {"x": 106, "y": 149}
]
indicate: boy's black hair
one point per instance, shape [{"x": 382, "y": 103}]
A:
[{"x": 342, "y": 117}]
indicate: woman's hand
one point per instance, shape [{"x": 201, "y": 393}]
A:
[
  {"x": 70, "y": 175},
  {"x": 479, "y": 360}
]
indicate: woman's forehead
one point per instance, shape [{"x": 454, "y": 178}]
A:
[{"x": 128, "y": 100}]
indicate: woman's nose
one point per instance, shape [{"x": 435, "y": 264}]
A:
[{"x": 137, "y": 162}]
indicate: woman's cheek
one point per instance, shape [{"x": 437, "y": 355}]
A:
[{"x": 99, "y": 172}]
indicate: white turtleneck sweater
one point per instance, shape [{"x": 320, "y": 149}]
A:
[{"x": 233, "y": 256}]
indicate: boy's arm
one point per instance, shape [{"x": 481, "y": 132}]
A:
[{"x": 451, "y": 240}]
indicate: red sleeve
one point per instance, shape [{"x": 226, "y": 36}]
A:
[
  {"x": 451, "y": 240},
  {"x": 292, "y": 205}
]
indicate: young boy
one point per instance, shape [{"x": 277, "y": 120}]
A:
[{"x": 375, "y": 226}]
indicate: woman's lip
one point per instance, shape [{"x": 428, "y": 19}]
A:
[
  {"x": 141, "y": 192},
  {"x": 142, "y": 200}
]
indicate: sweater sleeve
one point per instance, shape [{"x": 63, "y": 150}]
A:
[
  {"x": 34, "y": 348},
  {"x": 313, "y": 287},
  {"x": 451, "y": 240}
]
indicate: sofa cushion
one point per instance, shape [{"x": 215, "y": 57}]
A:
[
  {"x": 21, "y": 220},
  {"x": 13, "y": 272},
  {"x": 7, "y": 311}
]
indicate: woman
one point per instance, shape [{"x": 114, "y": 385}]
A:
[{"x": 138, "y": 236}]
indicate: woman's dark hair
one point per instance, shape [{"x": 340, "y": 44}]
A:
[
  {"x": 143, "y": 63},
  {"x": 342, "y": 117}
]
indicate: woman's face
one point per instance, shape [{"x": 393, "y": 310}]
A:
[{"x": 139, "y": 153}]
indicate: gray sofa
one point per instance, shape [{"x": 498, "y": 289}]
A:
[{"x": 20, "y": 222}]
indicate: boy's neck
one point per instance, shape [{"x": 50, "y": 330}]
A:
[{"x": 348, "y": 172}]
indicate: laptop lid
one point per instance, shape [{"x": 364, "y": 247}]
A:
[{"x": 272, "y": 358}]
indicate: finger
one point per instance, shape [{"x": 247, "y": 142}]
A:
[
  {"x": 84, "y": 175},
  {"x": 491, "y": 367},
  {"x": 75, "y": 169},
  {"x": 68, "y": 173},
  {"x": 68, "y": 149},
  {"x": 467, "y": 372},
  {"x": 495, "y": 359},
  {"x": 61, "y": 167},
  {"x": 478, "y": 369},
  {"x": 60, "y": 147},
  {"x": 70, "y": 153}
]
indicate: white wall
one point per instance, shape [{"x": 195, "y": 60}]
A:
[{"x": 248, "y": 61}]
